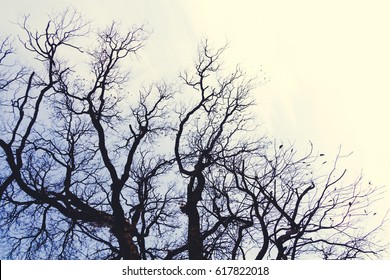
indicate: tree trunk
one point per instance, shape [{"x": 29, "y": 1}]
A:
[
  {"x": 195, "y": 244},
  {"x": 194, "y": 195},
  {"x": 122, "y": 228},
  {"x": 123, "y": 233}
]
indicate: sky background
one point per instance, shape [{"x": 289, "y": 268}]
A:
[{"x": 328, "y": 62}]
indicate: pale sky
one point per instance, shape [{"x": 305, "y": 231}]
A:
[{"x": 328, "y": 62}]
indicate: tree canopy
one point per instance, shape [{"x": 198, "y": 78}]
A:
[{"x": 92, "y": 169}]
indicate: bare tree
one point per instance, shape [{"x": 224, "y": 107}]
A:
[
  {"x": 292, "y": 209},
  {"x": 207, "y": 133},
  {"x": 70, "y": 151},
  {"x": 82, "y": 175}
]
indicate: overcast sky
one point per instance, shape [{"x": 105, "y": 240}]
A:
[{"x": 328, "y": 62}]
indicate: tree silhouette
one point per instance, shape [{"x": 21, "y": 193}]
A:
[{"x": 92, "y": 170}]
